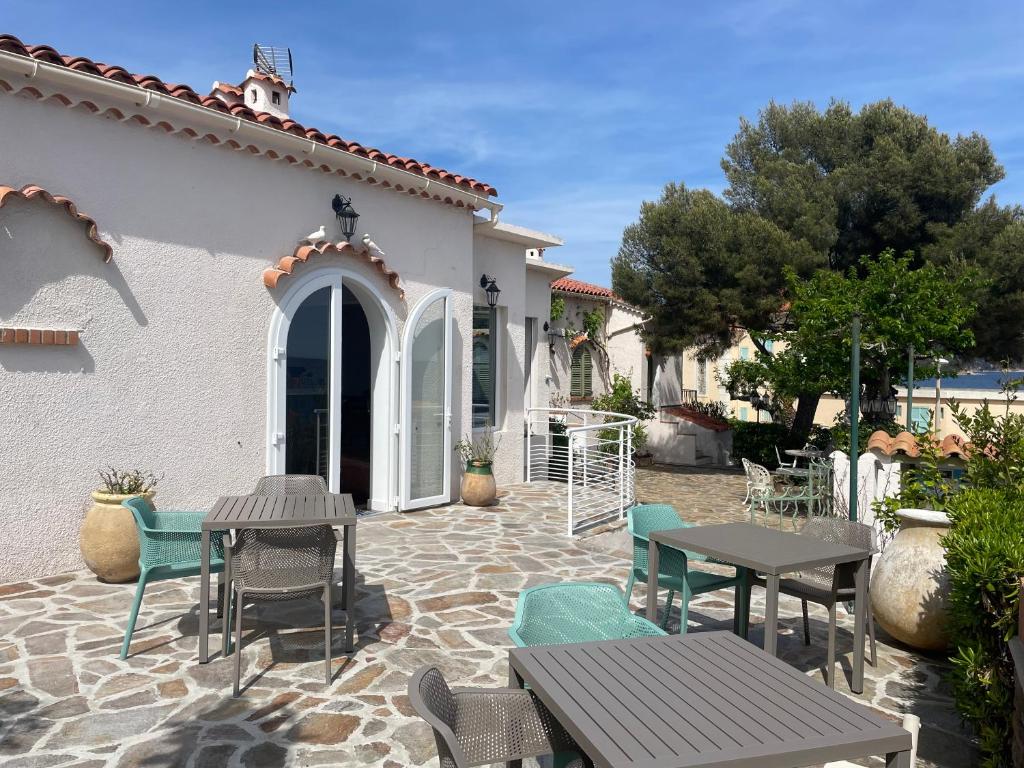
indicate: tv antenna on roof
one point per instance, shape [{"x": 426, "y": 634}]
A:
[{"x": 273, "y": 61}]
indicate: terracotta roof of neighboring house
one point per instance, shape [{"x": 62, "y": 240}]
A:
[
  {"x": 695, "y": 417},
  {"x": 578, "y": 339},
  {"x": 273, "y": 79},
  {"x": 11, "y": 44},
  {"x": 951, "y": 446},
  {"x": 286, "y": 264},
  {"x": 570, "y": 285},
  {"x": 30, "y": 191}
]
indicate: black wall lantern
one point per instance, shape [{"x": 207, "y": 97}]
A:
[
  {"x": 347, "y": 216},
  {"x": 490, "y": 286}
]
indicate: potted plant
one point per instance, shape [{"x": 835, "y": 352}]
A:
[
  {"x": 108, "y": 539},
  {"x": 478, "y": 487}
]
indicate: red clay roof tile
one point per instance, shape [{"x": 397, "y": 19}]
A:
[
  {"x": 570, "y": 285},
  {"x": 11, "y": 44},
  {"x": 286, "y": 264}
]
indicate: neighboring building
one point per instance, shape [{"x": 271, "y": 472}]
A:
[
  {"x": 162, "y": 307},
  {"x": 582, "y": 364}
]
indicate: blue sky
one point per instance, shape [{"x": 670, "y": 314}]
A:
[{"x": 575, "y": 111}]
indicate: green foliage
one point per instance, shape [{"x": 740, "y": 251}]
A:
[
  {"x": 557, "y": 307},
  {"x": 715, "y": 409},
  {"x": 757, "y": 442},
  {"x": 593, "y": 323},
  {"x": 996, "y": 458},
  {"x": 697, "y": 269},
  {"x": 985, "y": 561},
  {"x": 621, "y": 398},
  {"x": 839, "y": 432},
  {"x": 479, "y": 449},
  {"x": 127, "y": 482}
]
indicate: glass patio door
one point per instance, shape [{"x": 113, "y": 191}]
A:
[{"x": 425, "y": 467}]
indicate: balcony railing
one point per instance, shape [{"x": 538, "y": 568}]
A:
[{"x": 592, "y": 453}]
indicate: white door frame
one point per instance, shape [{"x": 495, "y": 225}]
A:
[
  {"x": 405, "y": 487},
  {"x": 383, "y": 447}
]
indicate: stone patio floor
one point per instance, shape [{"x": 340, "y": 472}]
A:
[{"x": 434, "y": 587}]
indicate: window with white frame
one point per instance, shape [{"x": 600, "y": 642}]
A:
[{"x": 486, "y": 370}]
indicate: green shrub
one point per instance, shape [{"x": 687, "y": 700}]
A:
[
  {"x": 756, "y": 442},
  {"x": 985, "y": 561},
  {"x": 622, "y": 399},
  {"x": 713, "y": 409}
]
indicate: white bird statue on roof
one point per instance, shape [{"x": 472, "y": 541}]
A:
[
  {"x": 315, "y": 237},
  {"x": 372, "y": 246}
]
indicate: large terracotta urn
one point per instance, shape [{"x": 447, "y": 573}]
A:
[
  {"x": 108, "y": 539},
  {"x": 478, "y": 487},
  {"x": 909, "y": 582}
]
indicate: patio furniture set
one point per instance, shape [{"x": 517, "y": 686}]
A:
[
  {"x": 790, "y": 490},
  {"x": 594, "y": 684},
  {"x": 275, "y": 544}
]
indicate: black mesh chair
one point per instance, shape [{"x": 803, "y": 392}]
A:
[
  {"x": 272, "y": 564},
  {"x": 831, "y": 585},
  {"x": 481, "y": 726},
  {"x": 294, "y": 485}
]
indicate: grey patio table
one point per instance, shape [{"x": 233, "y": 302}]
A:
[
  {"x": 773, "y": 553},
  {"x": 699, "y": 700},
  {"x": 237, "y": 512}
]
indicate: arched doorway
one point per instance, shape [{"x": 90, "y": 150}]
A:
[{"x": 331, "y": 386}]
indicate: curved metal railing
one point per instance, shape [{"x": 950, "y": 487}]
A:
[{"x": 592, "y": 453}]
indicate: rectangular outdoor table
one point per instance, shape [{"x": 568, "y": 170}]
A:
[
  {"x": 773, "y": 553},
  {"x": 237, "y": 512},
  {"x": 699, "y": 700}
]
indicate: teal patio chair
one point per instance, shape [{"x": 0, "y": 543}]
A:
[
  {"x": 674, "y": 573},
  {"x": 169, "y": 548},
  {"x": 553, "y": 614}
]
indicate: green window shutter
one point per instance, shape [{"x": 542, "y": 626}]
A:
[{"x": 581, "y": 379}]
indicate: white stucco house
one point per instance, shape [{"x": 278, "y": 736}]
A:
[
  {"x": 176, "y": 294},
  {"x": 585, "y": 359}
]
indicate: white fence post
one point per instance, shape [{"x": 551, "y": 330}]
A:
[{"x": 569, "y": 478}]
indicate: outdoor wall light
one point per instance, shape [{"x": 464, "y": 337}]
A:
[
  {"x": 553, "y": 335},
  {"x": 347, "y": 216},
  {"x": 490, "y": 286}
]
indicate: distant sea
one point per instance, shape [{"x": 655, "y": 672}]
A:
[{"x": 978, "y": 380}]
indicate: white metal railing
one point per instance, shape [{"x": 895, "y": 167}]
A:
[{"x": 592, "y": 453}]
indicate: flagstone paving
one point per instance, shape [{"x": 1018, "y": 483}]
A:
[{"x": 434, "y": 587}]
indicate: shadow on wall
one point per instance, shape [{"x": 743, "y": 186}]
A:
[
  {"x": 56, "y": 276},
  {"x": 39, "y": 359}
]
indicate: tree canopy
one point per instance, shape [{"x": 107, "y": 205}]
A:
[{"x": 824, "y": 191}]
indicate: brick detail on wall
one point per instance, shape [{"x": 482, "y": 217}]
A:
[{"x": 43, "y": 337}]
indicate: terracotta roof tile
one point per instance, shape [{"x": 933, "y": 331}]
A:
[
  {"x": 30, "y": 191},
  {"x": 287, "y": 264},
  {"x": 570, "y": 285},
  {"x": 906, "y": 444},
  {"x": 11, "y": 44}
]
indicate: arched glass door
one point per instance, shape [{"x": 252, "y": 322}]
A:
[{"x": 426, "y": 398}]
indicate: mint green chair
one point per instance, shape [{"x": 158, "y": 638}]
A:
[
  {"x": 674, "y": 573},
  {"x": 169, "y": 548},
  {"x": 553, "y": 614}
]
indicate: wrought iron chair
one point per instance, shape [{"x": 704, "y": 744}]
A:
[
  {"x": 674, "y": 573},
  {"x": 831, "y": 585},
  {"x": 551, "y": 614},
  {"x": 169, "y": 548},
  {"x": 759, "y": 480},
  {"x": 297, "y": 485},
  {"x": 778, "y": 457},
  {"x": 271, "y": 564},
  {"x": 481, "y": 726}
]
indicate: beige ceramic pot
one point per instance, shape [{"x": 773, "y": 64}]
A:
[
  {"x": 108, "y": 539},
  {"x": 478, "y": 487},
  {"x": 910, "y": 584}
]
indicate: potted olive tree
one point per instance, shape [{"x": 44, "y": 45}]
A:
[
  {"x": 478, "y": 486},
  {"x": 108, "y": 539}
]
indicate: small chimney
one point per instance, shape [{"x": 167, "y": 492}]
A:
[{"x": 268, "y": 85}]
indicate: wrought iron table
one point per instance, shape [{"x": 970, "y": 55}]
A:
[
  {"x": 236, "y": 512},
  {"x": 705, "y": 700},
  {"x": 773, "y": 553}
]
